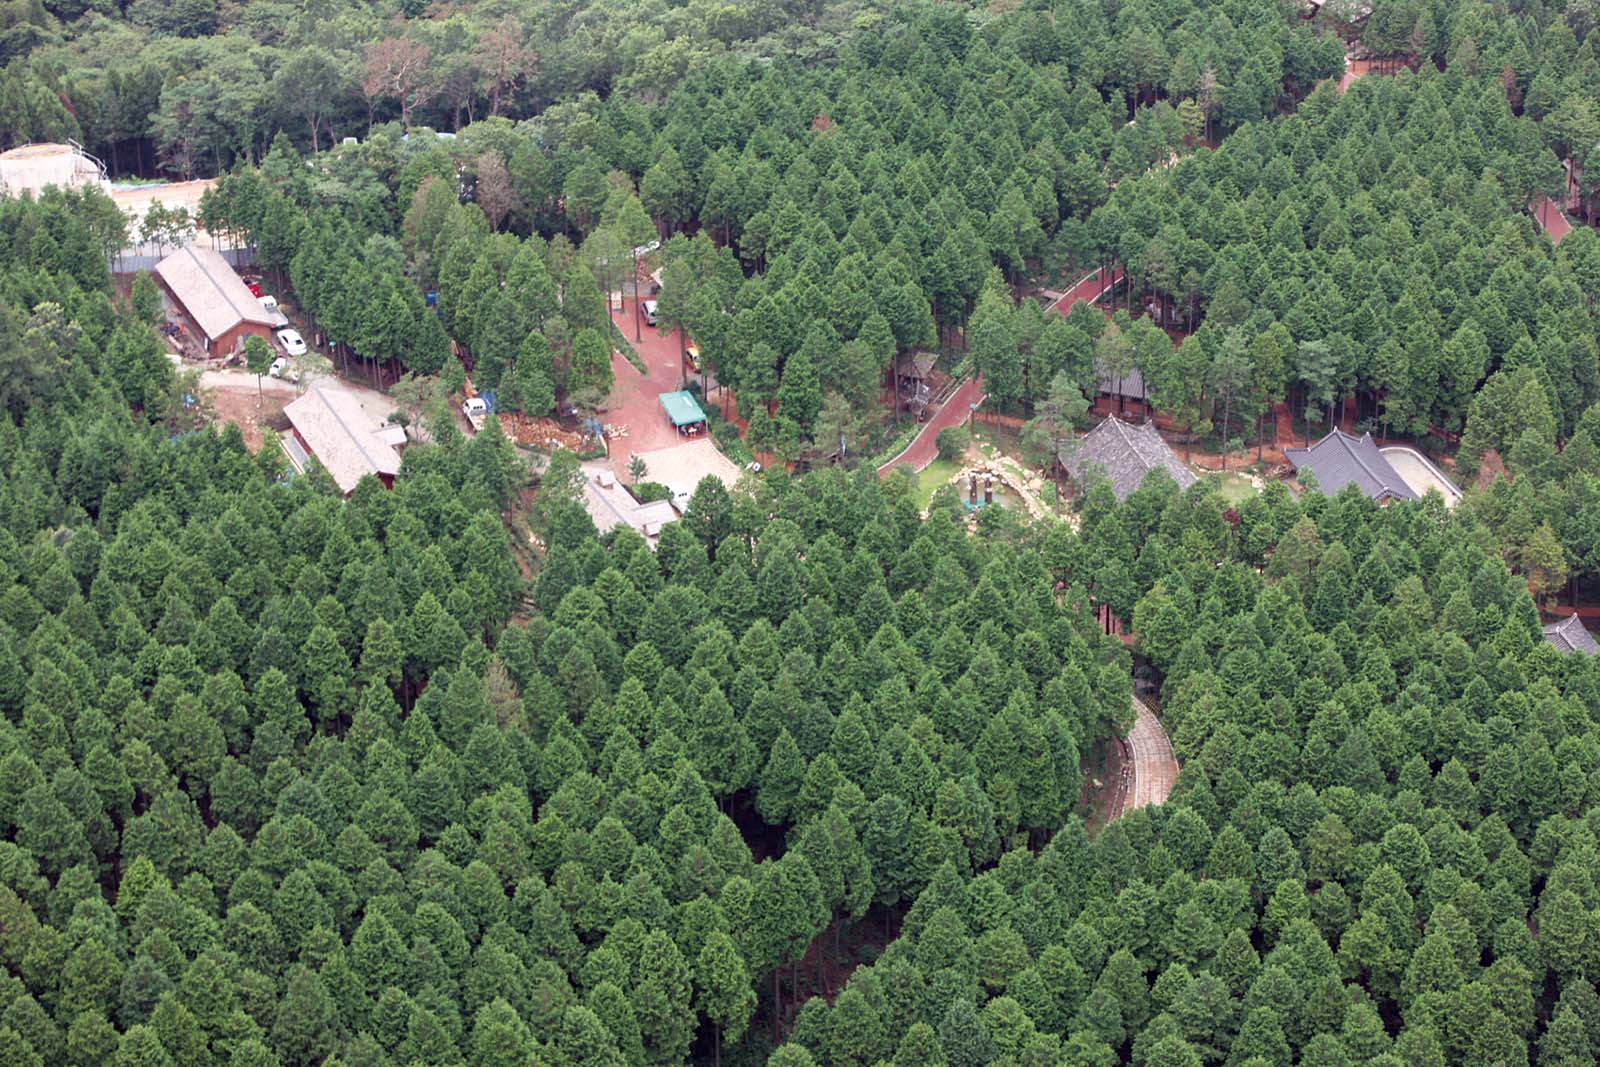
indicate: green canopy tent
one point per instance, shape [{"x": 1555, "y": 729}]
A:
[{"x": 682, "y": 409}]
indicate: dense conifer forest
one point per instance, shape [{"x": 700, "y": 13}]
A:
[{"x": 289, "y": 779}]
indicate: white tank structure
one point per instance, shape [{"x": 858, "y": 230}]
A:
[
  {"x": 29, "y": 168},
  {"x": 1420, "y": 473}
]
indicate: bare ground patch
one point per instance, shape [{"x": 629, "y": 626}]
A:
[{"x": 249, "y": 412}]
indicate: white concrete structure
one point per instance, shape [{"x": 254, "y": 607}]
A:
[
  {"x": 610, "y": 505},
  {"x": 1419, "y": 472},
  {"x": 681, "y": 467},
  {"x": 30, "y": 168}
]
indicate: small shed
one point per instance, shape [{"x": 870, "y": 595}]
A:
[
  {"x": 684, "y": 411},
  {"x": 214, "y": 298},
  {"x": 911, "y": 387}
]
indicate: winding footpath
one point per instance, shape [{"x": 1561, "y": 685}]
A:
[
  {"x": 922, "y": 449},
  {"x": 1155, "y": 769},
  {"x": 1090, "y": 289}
]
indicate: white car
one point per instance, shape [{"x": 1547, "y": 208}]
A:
[
  {"x": 269, "y": 304},
  {"x": 282, "y": 368},
  {"x": 292, "y": 342}
]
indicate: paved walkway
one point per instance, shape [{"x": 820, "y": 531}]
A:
[
  {"x": 1550, "y": 219},
  {"x": 923, "y": 448},
  {"x": 1091, "y": 288},
  {"x": 1155, "y": 769}
]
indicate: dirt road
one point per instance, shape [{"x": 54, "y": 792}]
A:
[{"x": 244, "y": 381}]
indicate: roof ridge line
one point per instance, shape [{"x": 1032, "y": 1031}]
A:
[
  {"x": 221, "y": 289},
  {"x": 1132, "y": 436},
  {"x": 1360, "y": 462},
  {"x": 322, "y": 396}
]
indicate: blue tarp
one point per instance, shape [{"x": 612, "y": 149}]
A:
[{"x": 682, "y": 409}]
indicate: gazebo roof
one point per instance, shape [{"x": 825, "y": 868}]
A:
[
  {"x": 681, "y": 408},
  {"x": 915, "y": 364}
]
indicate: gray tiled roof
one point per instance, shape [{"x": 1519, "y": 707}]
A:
[
  {"x": 1341, "y": 458},
  {"x": 1126, "y": 453},
  {"x": 1131, "y": 386},
  {"x": 1570, "y": 635}
]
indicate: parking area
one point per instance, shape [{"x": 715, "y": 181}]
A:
[
  {"x": 634, "y": 403},
  {"x": 1420, "y": 473}
]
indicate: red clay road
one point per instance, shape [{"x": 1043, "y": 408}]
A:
[
  {"x": 1155, "y": 769},
  {"x": 1093, "y": 286},
  {"x": 1353, "y": 69},
  {"x": 1550, "y": 219},
  {"x": 922, "y": 450}
]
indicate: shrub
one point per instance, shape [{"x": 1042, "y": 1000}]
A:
[
  {"x": 952, "y": 442},
  {"x": 648, "y": 492}
]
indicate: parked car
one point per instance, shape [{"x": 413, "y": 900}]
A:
[
  {"x": 476, "y": 409},
  {"x": 282, "y": 368},
  {"x": 692, "y": 354},
  {"x": 650, "y": 312},
  {"x": 292, "y": 342},
  {"x": 269, "y": 304}
]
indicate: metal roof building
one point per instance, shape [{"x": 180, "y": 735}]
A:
[
  {"x": 350, "y": 441},
  {"x": 214, "y": 298},
  {"x": 1109, "y": 383},
  {"x": 1342, "y": 459}
]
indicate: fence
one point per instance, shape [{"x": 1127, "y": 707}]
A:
[{"x": 145, "y": 257}]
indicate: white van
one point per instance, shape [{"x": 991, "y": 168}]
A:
[{"x": 650, "y": 312}]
